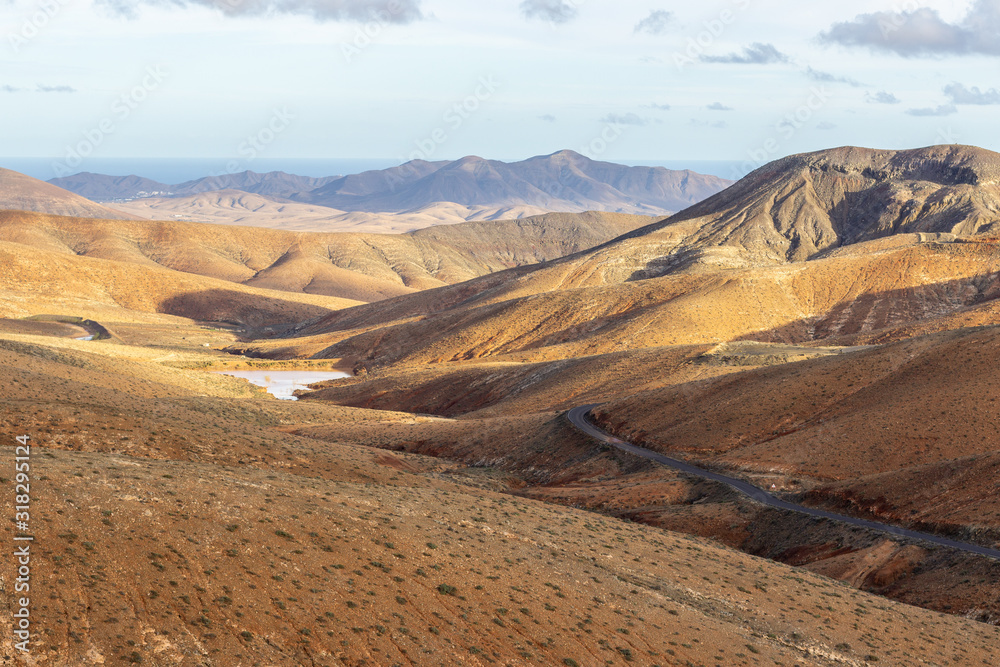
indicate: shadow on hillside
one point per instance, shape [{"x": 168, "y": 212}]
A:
[
  {"x": 261, "y": 316},
  {"x": 874, "y": 314}
]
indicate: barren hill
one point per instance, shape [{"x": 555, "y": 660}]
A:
[
  {"x": 102, "y": 187},
  {"x": 797, "y": 207},
  {"x": 199, "y": 522},
  {"x": 349, "y": 266},
  {"x": 235, "y": 207},
  {"x": 727, "y": 268},
  {"x": 23, "y": 193}
]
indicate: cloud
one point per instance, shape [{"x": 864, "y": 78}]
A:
[
  {"x": 922, "y": 32},
  {"x": 548, "y": 118},
  {"x": 388, "y": 11},
  {"x": 881, "y": 97},
  {"x": 625, "y": 119},
  {"x": 11, "y": 89},
  {"x": 715, "y": 124},
  {"x": 557, "y": 11},
  {"x": 718, "y": 106},
  {"x": 826, "y": 77},
  {"x": 659, "y": 107},
  {"x": 55, "y": 89},
  {"x": 941, "y": 110},
  {"x": 959, "y": 94},
  {"x": 755, "y": 54},
  {"x": 826, "y": 125},
  {"x": 656, "y": 23}
]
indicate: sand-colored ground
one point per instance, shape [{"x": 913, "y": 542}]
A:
[{"x": 179, "y": 521}]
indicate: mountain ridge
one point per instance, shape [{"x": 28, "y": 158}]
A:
[{"x": 564, "y": 181}]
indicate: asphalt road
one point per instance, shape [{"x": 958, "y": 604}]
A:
[{"x": 578, "y": 417}]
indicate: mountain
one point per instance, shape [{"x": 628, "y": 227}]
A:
[
  {"x": 563, "y": 181},
  {"x": 103, "y": 188},
  {"x": 421, "y": 193},
  {"x": 720, "y": 270},
  {"x": 797, "y": 207},
  {"x": 100, "y": 187},
  {"x": 272, "y": 184},
  {"x": 23, "y": 193}
]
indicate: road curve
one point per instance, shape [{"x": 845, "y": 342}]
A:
[{"x": 578, "y": 417}]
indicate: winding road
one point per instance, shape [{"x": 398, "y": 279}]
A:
[{"x": 578, "y": 417}]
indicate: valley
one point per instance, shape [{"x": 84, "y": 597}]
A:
[{"x": 436, "y": 502}]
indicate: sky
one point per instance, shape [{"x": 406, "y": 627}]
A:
[{"x": 621, "y": 80}]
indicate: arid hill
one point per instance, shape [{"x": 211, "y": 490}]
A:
[
  {"x": 101, "y": 187},
  {"x": 24, "y": 193},
  {"x": 196, "y": 524},
  {"x": 348, "y": 266},
  {"x": 704, "y": 344},
  {"x": 797, "y": 207},
  {"x": 464, "y": 520},
  {"x": 702, "y": 276},
  {"x": 234, "y": 207}
]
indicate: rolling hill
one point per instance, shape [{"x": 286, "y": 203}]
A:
[
  {"x": 235, "y": 207},
  {"x": 678, "y": 282},
  {"x": 347, "y": 266},
  {"x": 23, "y": 193}
]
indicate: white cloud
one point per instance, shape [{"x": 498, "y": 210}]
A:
[
  {"x": 923, "y": 32},
  {"x": 941, "y": 110},
  {"x": 386, "y": 11},
  {"x": 656, "y": 23},
  {"x": 881, "y": 97},
  {"x": 625, "y": 119},
  {"x": 959, "y": 94},
  {"x": 755, "y": 54},
  {"x": 557, "y": 11}
]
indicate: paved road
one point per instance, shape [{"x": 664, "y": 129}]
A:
[{"x": 579, "y": 418}]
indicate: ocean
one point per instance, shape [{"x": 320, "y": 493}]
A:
[{"x": 172, "y": 171}]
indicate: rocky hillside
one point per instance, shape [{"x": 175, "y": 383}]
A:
[{"x": 796, "y": 208}]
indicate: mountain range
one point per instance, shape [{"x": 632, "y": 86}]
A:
[{"x": 424, "y": 193}]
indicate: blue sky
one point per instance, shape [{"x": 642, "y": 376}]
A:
[{"x": 507, "y": 79}]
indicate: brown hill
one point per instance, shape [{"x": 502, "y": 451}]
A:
[
  {"x": 905, "y": 433},
  {"x": 719, "y": 270},
  {"x": 233, "y": 207},
  {"x": 23, "y": 193},
  {"x": 842, "y": 298},
  {"x": 193, "y": 527},
  {"x": 39, "y": 282},
  {"x": 347, "y": 266},
  {"x": 795, "y": 208}
]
